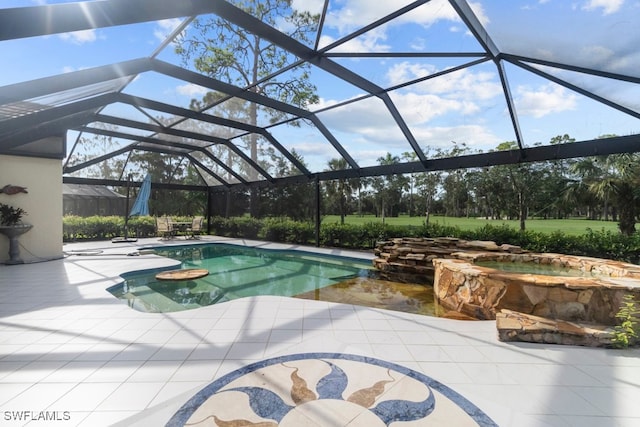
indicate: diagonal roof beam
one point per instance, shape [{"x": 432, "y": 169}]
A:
[
  {"x": 73, "y": 80},
  {"x": 50, "y": 19},
  {"x": 475, "y": 26},
  {"x": 27, "y": 135},
  {"x": 591, "y": 71},
  {"x": 578, "y": 89},
  {"x": 344, "y": 153},
  {"x": 179, "y": 133},
  {"x": 302, "y": 168},
  {"x": 614, "y": 145},
  {"x": 123, "y": 183},
  {"x": 506, "y": 89},
  {"x": 197, "y": 162},
  {"x": 96, "y": 160},
  {"x": 323, "y": 17},
  {"x": 375, "y": 24},
  {"x": 405, "y": 54},
  {"x": 439, "y": 73},
  {"x": 154, "y": 141},
  {"x": 210, "y": 83},
  {"x": 60, "y": 118},
  {"x": 137, "y": 101},
  {"x": 405, "y": 84},
  {"x": 479, "y": 32},
  {"x": 256, "y": 26},
  {"x": 184, "y": 112}
]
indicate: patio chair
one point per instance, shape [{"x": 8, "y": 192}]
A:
[
  {"x": 196, "y": 227},
  {"x": 163, "y": 227}
]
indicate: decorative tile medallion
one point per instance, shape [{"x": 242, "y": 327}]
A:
[{"x": 328, "y": 390}]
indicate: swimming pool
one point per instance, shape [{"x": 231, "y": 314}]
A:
[{"x": 235, "y": 272}]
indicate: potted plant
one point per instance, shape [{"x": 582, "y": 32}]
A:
[
  {"x": 11, "y": 225},
  {"x": 10, "y": 216}
]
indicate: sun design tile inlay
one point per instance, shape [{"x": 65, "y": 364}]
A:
[{"x": 329, "y": 390}]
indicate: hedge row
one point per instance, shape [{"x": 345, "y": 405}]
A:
[
  {"x": 601, "y": 244},
  {"x": 76, "y": 228}
]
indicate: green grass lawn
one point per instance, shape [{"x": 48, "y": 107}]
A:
[{"x": 567, "y": 226}]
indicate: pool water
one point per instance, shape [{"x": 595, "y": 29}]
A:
[
  {"x": 238, "y": 271},
  {"x": 235, "y": 272},
  {"x": 374, "y": 292},
  {"x": 535, "y": 268}
]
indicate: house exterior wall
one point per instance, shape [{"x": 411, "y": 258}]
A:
[{"x": 43, "y": 204}]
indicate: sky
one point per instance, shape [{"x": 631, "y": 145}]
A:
[{"x": 466, "y": 106}]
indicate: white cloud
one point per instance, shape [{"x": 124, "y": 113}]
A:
[
  {"x": 369, "y": 123},
  {"x": 419, "y": 44},
  {"x": 79, "y": 37},
  {"x": 368, "y": 157},
  {"x": 366, "y": 117},
  {"x": 597, "y": 54},
  {"x": 309, "y": 148},
  {"x": 368, "y": 42},
  {"x": 463, "y": 84},
  {"x": 608, "y": 6},
  {"x": 547, "y": 99},
  {"x": 311, "y": 6},
  {"x": 406, "y": 71},
  {"x": 429, "y": 14},
  {"x": 464, "y": 94},
  {"x": 419, "y": 109},
  {"x": 165, "y": 27},
  {"x": 475, "y": 136},
  {"x": 355, "y": 14},
  {"x": 191, "y": 90},
  {"x": 367, "y": 130},
  {"x": 358, "y": 13}
]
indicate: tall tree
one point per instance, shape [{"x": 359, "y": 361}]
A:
[
  {"x": 456, "y": 195},
  {"x": 428, "y": 184},
  {"x": 616, "y": 178},
  {"x": 227, "y": 52},
  {"x": 389, "y": 188},
  {"x": 340, "y": 191},
  {"x": 410, "y": 156},
  {"x": 525, "y": 180},
  {"x": 557, "y": 180},
  {"x": 294, "y": 201}
]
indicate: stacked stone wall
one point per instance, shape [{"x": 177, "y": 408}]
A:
[
  {"x": 407, "y": 259},
  {"x": 528, "y": 307}
]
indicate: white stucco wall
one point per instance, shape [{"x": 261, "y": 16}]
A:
[{"x": 43, "y": 203}]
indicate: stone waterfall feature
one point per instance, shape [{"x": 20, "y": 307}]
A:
[
  {"x": 546, "y": 298},
  {"x": 410, "y": 259}
]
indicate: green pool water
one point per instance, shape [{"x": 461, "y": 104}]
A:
[
  {"x": 235, "y": 272},
  {"x": 534, "y": 268}
]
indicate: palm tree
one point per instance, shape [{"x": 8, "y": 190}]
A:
[
  {"x": 340, "y": 191},
  {"x": 618, "y": 182}
]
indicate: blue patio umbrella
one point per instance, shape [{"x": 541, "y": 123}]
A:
[{"x": 141, "y": 205}]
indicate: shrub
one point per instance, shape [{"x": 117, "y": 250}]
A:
[
  {"x": 625, "y": 334},
  {"x": 599, "y": 244}
]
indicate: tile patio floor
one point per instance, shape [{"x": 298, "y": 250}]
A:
[{"x": 70, "y": 350}]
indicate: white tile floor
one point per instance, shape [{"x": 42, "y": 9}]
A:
[{"x": 70, "y": 350}]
